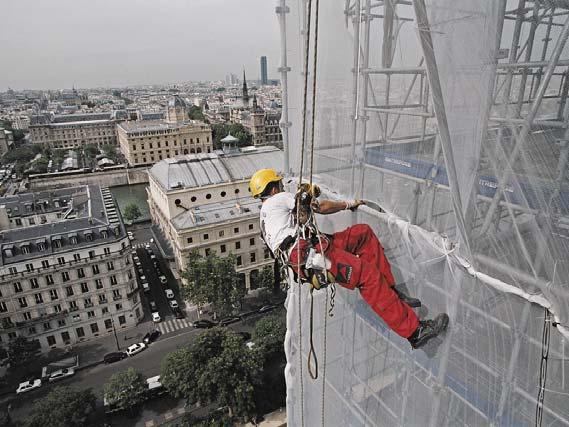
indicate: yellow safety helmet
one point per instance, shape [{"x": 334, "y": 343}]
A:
[{"x": 261, "y": 179}]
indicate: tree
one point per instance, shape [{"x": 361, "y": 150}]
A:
[
  {"x": 64, "y": 407},
  {"x": 110, "y": 151},
  {"x": 269, "y": 334},
  {"x": 213, "y": 280},
  {"x": 217, "y": 367},
  {"x": 196, "y": 113},
  {"x": 91, "y": 150},
  {"x": 221, "y": 130},
  {"x": 131, "y": 212},
  {"x": 126, "y": 390},
  {"x": 22, "y": 351},
  {"x": 219, "y": 89}
]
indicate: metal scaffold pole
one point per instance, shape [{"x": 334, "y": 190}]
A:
[{"x": 282, "y": 10}]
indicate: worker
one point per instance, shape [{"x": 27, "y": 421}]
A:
[{"x": 353, "y": 258}]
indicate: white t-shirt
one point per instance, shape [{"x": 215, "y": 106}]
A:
[{"x": 277, "y": 219}]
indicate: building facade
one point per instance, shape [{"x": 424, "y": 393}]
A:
[
  {"x": 73, "y": 130},
  {"x": 6, "y": 141},
  {"x": 66, "y": 271},
  {"x": 149, "y": 141},
  {"x": 202, "y": 203}
]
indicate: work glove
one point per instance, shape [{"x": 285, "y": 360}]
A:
[
  {"x": 354, "y": 204},
  {"x": 313, "y": 191}
]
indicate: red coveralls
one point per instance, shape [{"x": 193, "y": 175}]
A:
[{"x": 358, "y": 260}]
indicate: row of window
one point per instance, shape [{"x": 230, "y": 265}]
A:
[
  {"x": 54, "y": 296},
  {"x": 160, "y": 157},
  {"x": 159, "y": 145},
  {"x": 61, "y": 261},
  {"x": 221, "y": 233},
  {"x": 65, "y": 336},
  {"x": 69, "y": 291}
]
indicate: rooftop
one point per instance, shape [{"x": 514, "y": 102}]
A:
[
  {"x": 89, "y": 216},
  {"x": 156, "y": 125},
  {"x": 198, "y": 170},
  {"x": 217, "y": 212}
]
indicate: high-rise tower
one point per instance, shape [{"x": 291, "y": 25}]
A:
[
  {"x": 264, "y": 76},
  {"x": 245, "y": 95}
]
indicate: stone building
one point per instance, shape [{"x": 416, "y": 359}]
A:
[
  {"x": 149, "y": 141},
  {"x": 202, "y": 202},
  {"x": 73, "y": 130},
  {"x": 6, "y": 141},
  {"x": 66, "y": 273}
]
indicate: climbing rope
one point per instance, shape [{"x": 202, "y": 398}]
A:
[
  {"x": 302, "y": 148},
  {"x": 543, "y": 366}
]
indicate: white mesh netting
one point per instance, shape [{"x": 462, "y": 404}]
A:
[{"x": 452, "y": 117}]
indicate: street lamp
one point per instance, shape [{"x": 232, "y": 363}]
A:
[{"x": 115, "y": 333}]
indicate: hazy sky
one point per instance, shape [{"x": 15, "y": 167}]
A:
[{"x": 89, "y": 43}]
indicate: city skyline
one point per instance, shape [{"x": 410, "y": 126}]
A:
[{"x": 85, "y": 45}]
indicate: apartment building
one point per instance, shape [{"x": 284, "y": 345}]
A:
[
  {"x": 66, "y": 273},
  {"x": 149, "y": 141},
  {"x": 73, "y": 130},
  {"x": 6, "y": 141},
  {"x": 202, "y": 202}
]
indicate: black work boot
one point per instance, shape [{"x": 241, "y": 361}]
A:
[
  {"x": 410, "y": 301},
  {"x": 428, "y": 329}
]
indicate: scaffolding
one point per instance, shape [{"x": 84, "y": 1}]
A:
[{"x": 474, "y": 160}]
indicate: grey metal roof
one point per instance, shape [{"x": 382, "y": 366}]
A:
[
  {"x": 199, "y": 170},
  {"x": 91, "y": 216},
  {"x": 214, "y": 213}
]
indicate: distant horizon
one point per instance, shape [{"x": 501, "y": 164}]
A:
[
  {"x": 108, "y": 44},
  {"x": 128, "y": 86}
]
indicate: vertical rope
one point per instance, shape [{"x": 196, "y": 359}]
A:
[
  {"x": 315, "y": 66},
  {"x": 543, "y": 367},
  {"x": 306, "y": 55}
]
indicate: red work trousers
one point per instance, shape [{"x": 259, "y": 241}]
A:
[{"x": 357, "y": 260}]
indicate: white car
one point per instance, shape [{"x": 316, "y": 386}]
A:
[
  {"x": 146, "y": 286},
  {"x": 28, "y": 386},
  {"x": 60, "y": 374},
  {"x": 135, "y": 348},
  {"x": 147, "y": 246},
  {"x": 156, "y": 317},
  {"x": 163, "y": 279},
  {"x": 130, "y": 235},
  {"x": 169, "y": 293},
  {"x": 174, "y": 303}
]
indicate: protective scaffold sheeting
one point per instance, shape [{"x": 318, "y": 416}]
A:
[{"x": 452, "y": 116}]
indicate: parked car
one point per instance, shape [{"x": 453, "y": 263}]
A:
[
  {"x": 143, "y": 278},
  {"x": 114, "y": 357},
  {"x": 153, "y": 306},
  {"x": 163, "y": 279},
  {"x": 145, "y": 286},
  {"x": 267, "y": 308},
  {"x": 155, "y": 387},
  {"x": 135, "y": 348},
  {"x": 28, "y": 386},
  {"x": 229, "y": 320},
  {"x": 203, "y": 323},
  {"x": 169, "y": 293},
  {"x": 156, "y": 317},
  {"x": 60, "y": 374},
  {"x": 147, "y": 247},
  {"x": 130, "y": 235},
  {"x": 174, "y": 304},
  {"x": 151, "y": 336}
]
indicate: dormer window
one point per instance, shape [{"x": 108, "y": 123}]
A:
[
  {"x": 117, "y": 231},
  {"x": 104, "y": 233},
  {"x": 41, "y": 244},
  {"x": 72, "y": 238},
  {"x": 8, "y": 250},
  {"x": 56, "y": 241},
  {"x": 89, "y": 236},
  {"x": 25, "y": 248}
]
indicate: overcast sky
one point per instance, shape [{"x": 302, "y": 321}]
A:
[{"x": 92, "y": 43}]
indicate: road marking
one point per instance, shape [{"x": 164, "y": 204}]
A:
[
  {"x": 184, "y": 323},
  {"x": 181, "y": 410},
  {"x": 166, "y": 328},
  {"x": 149, "y": 423},
  {"x": 168, "y": 415},
  {"x": 172, "y": 325}
]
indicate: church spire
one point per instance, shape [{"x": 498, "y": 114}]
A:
[{"x": 245, "y": 95}]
